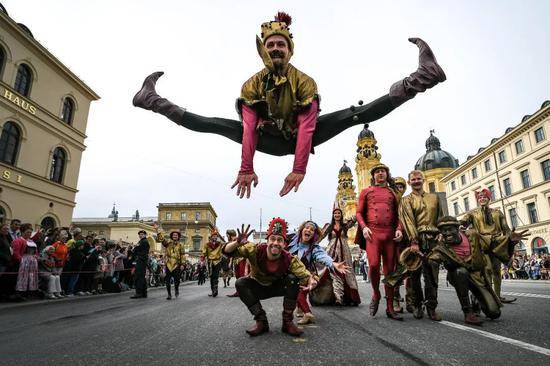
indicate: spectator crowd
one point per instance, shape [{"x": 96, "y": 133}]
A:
[
  {"x": 62, "y": 262},
  {"x": 524, "y": 267}
]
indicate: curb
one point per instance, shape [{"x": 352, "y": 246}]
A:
[{"x": 9, "y": 305}]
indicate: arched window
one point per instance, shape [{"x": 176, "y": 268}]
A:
[
  {"x": 48, "y": 222},
  {"x": 2, "y": 215},
  {"x": 58, "y": 165},
  {"x": 2, "y": 60},
  {"x": 68, "y": 111},
  {"x": 9, "y": 143},
  {"x": 23, "y": 80}
]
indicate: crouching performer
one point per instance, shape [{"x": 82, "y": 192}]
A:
[
  {"x": 273, "y": 272},
  {"x": 462, "y": 255}
]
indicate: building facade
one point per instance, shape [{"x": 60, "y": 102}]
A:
[
  {"x": 195, "y": 220},
  {"x": 516, "y": 169},
  {"x": 43, "y": 116}
]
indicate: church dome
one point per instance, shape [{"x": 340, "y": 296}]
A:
[
  {"x": 435, "y": 157},
  {"x": 366, "y": 133},
  {"x": 345, "y": 168}
]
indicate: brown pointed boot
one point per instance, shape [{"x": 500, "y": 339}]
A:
[
  {"x": 390, "y": 311},
  {"x": 147, "y": 98},
  {"x": 261, "y": 326},
  {"x": 288, "y": 325},
  {"x": 434, "y": 315}
]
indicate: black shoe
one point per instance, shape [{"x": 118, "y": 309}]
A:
[
  {"x": 136, "y": 296},
  {"x": 169, "y": 297},
  {"x": 507, "y": 301}
]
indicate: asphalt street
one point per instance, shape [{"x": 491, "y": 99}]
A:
[{"x": 198, "y": 330}]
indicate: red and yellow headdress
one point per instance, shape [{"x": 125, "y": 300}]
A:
[
  {"x": 278, "y": 226},
  {"x": 486, "y": 192},
  {"x": 278, "y": 26}
]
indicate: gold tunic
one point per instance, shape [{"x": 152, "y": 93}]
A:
[
  {"x": 495, "y": 235},
  {"x": 419, "y": 213},
  {"x": 213, "y": 255},
  {"x": 248, "y": 251},
  {"x": 174, "y": 255},
  {"x": 281, "y": 96}
]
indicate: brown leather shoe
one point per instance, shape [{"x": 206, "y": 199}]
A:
[
  {"x": 472, "y": 318},
  {"x": 288, "y": 325},
  {"x": 261, "y": 326},
  {"x": 393, "y": 315},
  {"x": 373, "y": 307},
  {"x": 434, "y": 315}
]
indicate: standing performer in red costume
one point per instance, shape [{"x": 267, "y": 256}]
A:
[{"x": 379, "y": 230}]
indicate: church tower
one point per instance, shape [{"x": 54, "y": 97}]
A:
[
  {"x": 367, "y": 156},
  {"x": 346, "y": 196}
]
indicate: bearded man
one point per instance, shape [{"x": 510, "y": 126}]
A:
[
  {"x": 278, "y": 107},
  {"x": 419, "y": 212},
  {"x": 379, "y": 232},
  {"x": 491, "y": 225},
  {"x": 274, "y": 272}
]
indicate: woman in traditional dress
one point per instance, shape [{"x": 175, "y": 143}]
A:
[{"x": 344, "y": 285}]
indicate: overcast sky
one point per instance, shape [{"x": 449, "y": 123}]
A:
[{"x": 495, "y": 54}]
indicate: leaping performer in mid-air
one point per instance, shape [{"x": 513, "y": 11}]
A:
[{"x": 279, "y": 107}]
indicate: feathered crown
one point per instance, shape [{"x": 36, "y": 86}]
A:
[
  {"x": 214, "y": 231},
  {"x": 277, "y": 226},
  {"x": 278, "y": 26}
]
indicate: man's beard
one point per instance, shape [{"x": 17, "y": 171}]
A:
[{"x": 279, "y": 60}]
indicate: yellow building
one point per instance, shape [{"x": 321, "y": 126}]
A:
[
  {"x": 195, "y": 220},
  {"x": 346, "y": 196},
  {"x": 43, "y": 116},
  {"x": 515, "y": 167},
  {"x": 119, "y": 229}
]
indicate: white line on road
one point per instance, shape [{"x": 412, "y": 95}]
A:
[
  {"x": 520, "y": 294},
  {"x": 527, "y": 346}
]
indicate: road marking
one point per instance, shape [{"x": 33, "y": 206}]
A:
[
  {"x": 520, "y": 294},
  {"x": 527, "y": 346}
]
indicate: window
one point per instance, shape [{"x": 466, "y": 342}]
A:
[
  {"x": 184, "y": 216},
  {"x": 23, "y": 80},
  {"x": 453, "y": 186},
  {"x": 539, "y": 134},
  {"x": 431, "y": 187},
  {"x": 197, "y": 231},
  {"x": 474, "y": 173},
  {"x": 455, "y": 208},
  {"x": 9, "y": 143},
  {"x": 545, "y": 165},
  {"x": 2, "y": 60},
  {"x": 525, "y": 180},
  {"x": 507, "y": 187},
  {"x": 463, "y": 179},
  {"x": 519, "y": 147},
  {"x": 58, "y": 165},
  {"x": 493, "y": 193},
  {"x": 197, "y": 215},
  {"x": 48, "y": 222},
  {"x": 68, "y": 111},
  {"x": 466, "y": 204},
  {"x": 513, "y": 217},
  {"x": 101, "y": 232},
  {"x": 532, "y": 210},
  {"x": 487, "y": 164},
  {"x": 168, "y": 216},
  {"x": 196, "y": 244},
  {"x": 502, "y": 157},
  {"x": 2, "y": 216}
]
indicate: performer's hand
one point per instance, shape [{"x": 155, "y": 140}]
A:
[
  {"x": 311, "y": 284},
  {"x": 398, "y": 236},
  {"x": 367, "y": 233},
  {"x": 415, "y": 248},
  {"x": 292, "y": 180},
  {"x": 517, "y": 237},
  {"x": 244, "y": 182},
  {"x": 341, "y": 267},
  {"x": 243, "y": 234}
]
